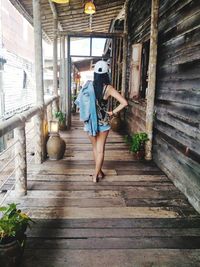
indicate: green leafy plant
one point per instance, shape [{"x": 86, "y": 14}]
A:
[
  {"x": 136, "y": 141},
  {"x": 60, "y": 116},
  {"x": 13, "y": 223}
]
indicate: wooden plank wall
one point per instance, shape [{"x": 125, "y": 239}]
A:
[
  {"x": 138, "y": 31},
  {"x": 176, "y": 132}
]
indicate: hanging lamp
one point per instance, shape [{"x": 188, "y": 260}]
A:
[
  {"x": 90, "y": 8},
  {"x": 60, "y": 1}
]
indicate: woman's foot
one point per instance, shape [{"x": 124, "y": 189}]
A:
[
  {"x": 95, "y": 179},
  {"x": 101, "y": 174}
]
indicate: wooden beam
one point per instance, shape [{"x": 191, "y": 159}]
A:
[
  {"x": 74, "y": 23},
  {"x": 39, "y": 118},
  {"x": 152, "y": 77},
  {"x": 70, "y": 14},
  {"x": 55, "y": 14},
  {"x": 55, "y": 64},
  {"x": 68, "y": 82},
  {"x": 125, "y": 48},
  {"x": 63, "y": 74},
  {"x": 90, "y": 34},
  {"x": 2, "y": 96}
]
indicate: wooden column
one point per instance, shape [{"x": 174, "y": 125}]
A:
[
  {"x": 2, "y": 95},
  {"x": 125, "y": 48},
  {"x": 68, "y": 82},
  {"x": 20, "y": 161},
  {"x": 65, "y": 82},
  {"x": 63, "y": 78},
  {"x": 152, "y": 77},
  {"x": 2, "y": 105},
  {"x": 39, "y": 120},
  {"x": 55, "y": 63}
]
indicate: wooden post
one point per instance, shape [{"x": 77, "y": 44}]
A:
[
  {"x": 119, "y": 64},
  {"x": 152, "y": 78},
  {"x": 20, "y": 161},
  {"x": 55, "y": 63},
  {"x": 39, "y": 120},
  {"x": 2, "y": 96},
  {"x": 68, "y": 83},
  {"x": 2, "y": 105},
  {"x": 125, "y": 48},
  {"x": 116, "y": 62},
  {"x": 63, "y": 78}
]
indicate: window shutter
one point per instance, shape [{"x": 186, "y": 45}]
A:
[{"x": 135, "y": 70}]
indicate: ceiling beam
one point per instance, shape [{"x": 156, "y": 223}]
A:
[
  {"x": 91, "y": 34},
  {"x": 55, "y": 14},
  {"x": 79, "y": 12}
]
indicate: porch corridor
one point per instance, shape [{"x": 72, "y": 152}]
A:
[{"x": 134, "y": 217}]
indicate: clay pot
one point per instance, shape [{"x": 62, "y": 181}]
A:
[
  {"x": 55, "y": 147},
  {"x": 139, "y": 155},
  {"x": 115, "y": 124},
  {"x": 11, "y": 253}
]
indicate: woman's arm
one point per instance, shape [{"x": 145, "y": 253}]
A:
[{"x": 123, "y": 102}]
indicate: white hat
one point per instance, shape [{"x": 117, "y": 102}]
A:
[{"x": 101, "y": 67}]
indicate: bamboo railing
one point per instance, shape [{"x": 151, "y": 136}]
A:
[{"x": 18, "y": 123}]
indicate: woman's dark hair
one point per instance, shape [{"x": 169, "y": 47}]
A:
[{"x": 99, "y": 81}]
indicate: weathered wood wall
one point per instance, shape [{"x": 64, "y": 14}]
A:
[
  {"x": 177, "y": 120},
  {"x": 138, "y": 31}
]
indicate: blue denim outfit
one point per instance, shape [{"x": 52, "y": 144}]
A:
[{"x": 86, "y": 101}]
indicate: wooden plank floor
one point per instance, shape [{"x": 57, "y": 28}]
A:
[{"x": 133, "y": 217}]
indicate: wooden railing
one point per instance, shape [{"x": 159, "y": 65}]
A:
[{"x": 18, "y": 123}]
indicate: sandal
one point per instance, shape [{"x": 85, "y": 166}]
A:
[
  {"x": 102, "y": 175},
  {"x": 95, "y": 179}
]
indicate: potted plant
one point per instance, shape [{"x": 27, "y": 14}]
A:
[
  {"x": 61, "y": 119},
  {"x": 13, "y": 225},
  {"x": 137, "y": 144},
  {"x": 73, "y": 103}
]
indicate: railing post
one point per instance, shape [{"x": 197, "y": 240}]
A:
[
  {"x": 20, "y": 161},
  {"x": 50, "y": 110},
  {"x": 40, "y": 148}
]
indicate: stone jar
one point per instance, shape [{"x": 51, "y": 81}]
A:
[{"x": 55, "y": 147}]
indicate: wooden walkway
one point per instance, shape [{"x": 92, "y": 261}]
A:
[{"x": 134, "y": 217}]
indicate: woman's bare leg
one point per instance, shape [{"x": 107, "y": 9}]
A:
[
  {"x": 100, "y": 148},
  {"x": 93, "y": 140}
]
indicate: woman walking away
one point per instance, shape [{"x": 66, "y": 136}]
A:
[{"x": 93, "y": 104}]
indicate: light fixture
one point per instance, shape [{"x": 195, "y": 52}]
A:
[
  {"x": 60, "y": 1},
  {"x": 54, "y": 127},
  {"x": 90, "y": 8}
]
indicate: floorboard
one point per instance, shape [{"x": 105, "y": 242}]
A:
[{"x": 134, "y": 217}]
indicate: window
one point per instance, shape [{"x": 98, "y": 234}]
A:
[
  {"x": 139, "y": 70},
  {"x": 98, "y": 45},
  {"x": 135, "y": 70},
  {"x": 144, "y": 69},
  {"x": 24, "y": 80},
  {"x": 80, "y": 46}
]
